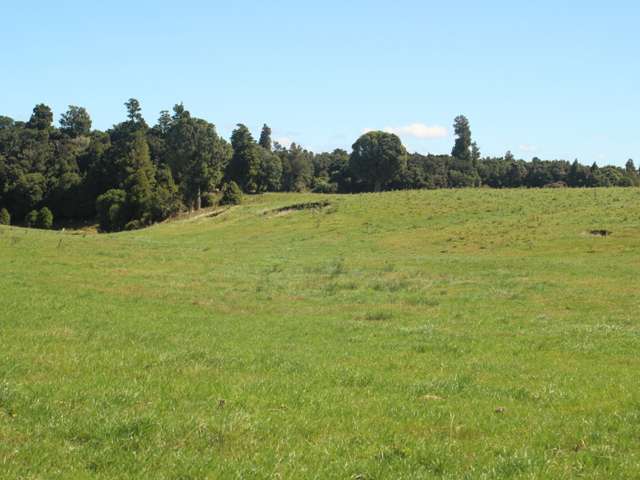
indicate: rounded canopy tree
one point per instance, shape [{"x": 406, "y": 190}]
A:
[{"x": 377, "y": 158}]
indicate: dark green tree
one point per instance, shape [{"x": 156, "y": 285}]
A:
[
  {"x": 630, "y": 167},
  {"x": 265, "y": 138},
  {"x": 75, "y": 122},
  {"x": 110, "y": 207},
  {"x": 97, "y": 171},
  {"x": 578, "y": 175},
  {"x": 270, "y": 172},
  {"x": 134, "y": 111},
  {"x": 5, "y": 217},
  {"x": 64, "y": 194},
  {"x": 4, "y": 180},
  {"x": 157, "y": 138},
  {"x": 41, "y": 118},
  {"x": 632, "y": 173},
  {"x": 44, "y": 219},
  {"x": 462, "y": 148},
  {"x": 594, "y": 175},
  {"x": 140, "y": 181},
  {"x": 26, "y": 193},
  {"x": 475, "y": 154},
  {"x": 297, "y": 168},
  {"x": 339, "y": 172},
  {"x": 31, "y": 220},
  {"x": 244, "y": 167},
  {"x": 197, "y": 155},
  {"x": 164, "y": 122},
  {"x": 231, "y": 194},
  {"x": 120, "y": 156},
  {"x": 377, "y": 158},
  {"x": 508, "y": 157},
  {"x": 516, "y": 174},
  {"x": 463, "y": 170},
  {"x": 166, "y": 198}
]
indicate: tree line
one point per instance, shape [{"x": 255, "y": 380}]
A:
[{"x": 133, "y": 174}]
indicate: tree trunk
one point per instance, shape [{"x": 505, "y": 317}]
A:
[
  {"x": 377, "y": 186},
  {"x": 199, "y": 200}
]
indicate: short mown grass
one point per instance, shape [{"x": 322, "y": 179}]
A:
[{"x": 432, "y": 334}]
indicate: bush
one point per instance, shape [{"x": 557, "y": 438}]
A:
[
  {"x": 44, "y": 219},
  {"x": 134, "y": 225},
  {"x": 231, "y": 194},
  {"x": 559, "y": 184},
  {"x": 111, "y": 210},
  {"x": 164, "y": 204},
  {"x": 209, "y": 200},
  {"x": 325, "y": 187},
  {"x": 31, "y": 219},
  {"x": 5, "y": 218}
]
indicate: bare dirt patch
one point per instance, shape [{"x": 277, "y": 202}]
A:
[
  {"x": 600, "y": 233},
  {"x": 298, "y": 207}
]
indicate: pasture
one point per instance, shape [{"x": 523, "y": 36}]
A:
[{"x": 479, "y": 334}]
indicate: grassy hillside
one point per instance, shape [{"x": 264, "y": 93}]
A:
[{"x": 432, "y": 334}]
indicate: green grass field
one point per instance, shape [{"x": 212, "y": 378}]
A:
[{"x": 433, "y": 334}]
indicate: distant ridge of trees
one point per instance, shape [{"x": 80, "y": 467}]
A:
[{"x": 133, "y": 175}]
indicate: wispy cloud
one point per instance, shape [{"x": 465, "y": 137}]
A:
[
  {"x": 525, "y": 147},
  {"x": 416, "y": 130},
  {"x": 419, "y": 130}
]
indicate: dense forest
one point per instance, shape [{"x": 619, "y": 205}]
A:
[{"x": 134, "y": 175}]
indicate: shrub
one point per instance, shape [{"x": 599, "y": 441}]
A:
[
  {"x": 164, "y": 204},
  {"x": 231, "y": 194},
  {"x": 44, "y": 219},
  {"x": 209, "y": 200},
  {"x": 31, "y": 219},
  {"x": 111, "y": 210},
  {"x": 5, "y": 218},
  {"x": 165, "y": 201},
  {"x": 559, "y": 184},
  {"x": 134, "y": 225},
  {"x": 325, "y": 187}
]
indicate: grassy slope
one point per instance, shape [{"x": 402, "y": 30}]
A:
[{"x": 323, "y": 333}]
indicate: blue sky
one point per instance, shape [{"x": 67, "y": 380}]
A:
[{"x": 551, "y": 79}]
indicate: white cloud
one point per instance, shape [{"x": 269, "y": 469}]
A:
[
  {"x": 525, "y": 147},
  {"x": 419, "y": 130}
]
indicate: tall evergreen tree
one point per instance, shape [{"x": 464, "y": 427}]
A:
[
  {"x": 265, "y": 138},
  {"x": 630, "y": 167},
  {"x": 297, "y": 168},
  {"x": 166, "y": 199},
  {"x": 578, "y": 175},
  {"x": 244, "y": 167},
  {"x": 632, "y": 173},
  {"x": 140, "y": 181},
  {"x": 197, "y": 155},
  {"x": 462, "y": 148},
  {"x": 164, "y": 122},
  {"x": 508, "y": 157},
  {"x": 463, "y": 171},
  {"x": 270, "y": 172},
  {"x": 475, "y": 154},
  {"x": 134, "y": 112}
]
